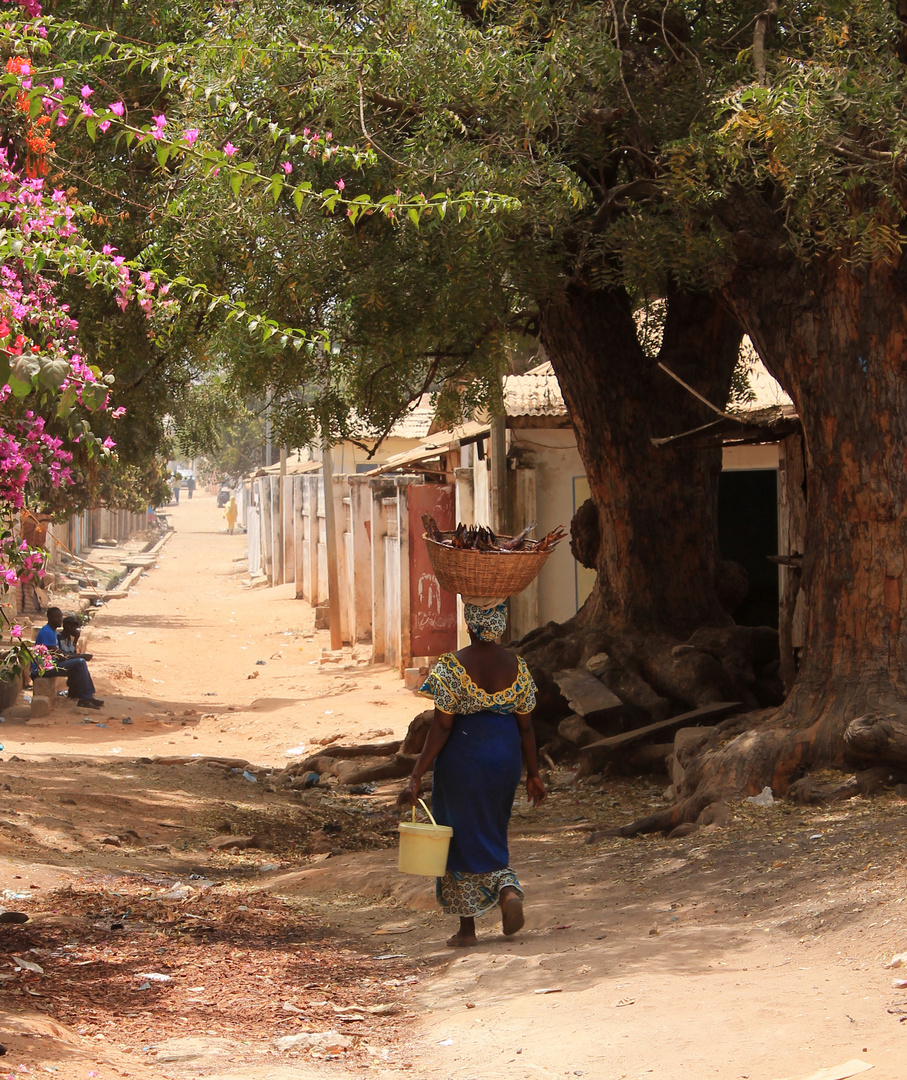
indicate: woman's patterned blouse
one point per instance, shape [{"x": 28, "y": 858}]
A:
[{"x": 455, "y": 692}]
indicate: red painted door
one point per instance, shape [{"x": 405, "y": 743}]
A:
[{"x": 432, "y": 611}]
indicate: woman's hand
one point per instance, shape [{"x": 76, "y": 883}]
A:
[
  {"x": 409, "y": 796},
  {"x": 535, "y": 789}
]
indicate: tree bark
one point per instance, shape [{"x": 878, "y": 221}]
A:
[
  {"x": 835, "y": 336},
  {"x": 657, "y": 507}
]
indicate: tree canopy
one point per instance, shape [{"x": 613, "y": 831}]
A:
[{"x": 353, "y": 203}]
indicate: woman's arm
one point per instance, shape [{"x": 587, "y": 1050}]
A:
[
  {"x": 535, "y": 789},
  {"x": 438, "y": 734}
]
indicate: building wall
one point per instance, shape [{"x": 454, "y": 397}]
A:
[
  {"x": 561, "y": 487},
  {"x": 738, "y": 458}
]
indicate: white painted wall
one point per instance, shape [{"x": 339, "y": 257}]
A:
[{"x": 557, "y": 465}]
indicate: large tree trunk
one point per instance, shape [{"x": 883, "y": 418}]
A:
[
  {"x": 652, "y": 535},
  {"x": 835, "y": 336},
  {"x": 658, "y": 557}
]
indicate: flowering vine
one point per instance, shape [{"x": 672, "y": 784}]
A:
[{"x": 47, "y": 389}]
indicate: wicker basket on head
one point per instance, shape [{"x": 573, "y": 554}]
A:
[{"x": 485, "y": 573}]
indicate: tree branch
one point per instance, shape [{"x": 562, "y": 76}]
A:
[
  {"x": 368, "y": 137},
  {"x": 763, "y": 22}
]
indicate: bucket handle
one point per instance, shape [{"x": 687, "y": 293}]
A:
[{"x": 427, "y": 811}]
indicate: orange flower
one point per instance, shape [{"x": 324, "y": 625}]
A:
[{"x": 18, "y": 65}]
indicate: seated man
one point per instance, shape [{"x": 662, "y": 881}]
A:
[
  {"x": 68, "y": 638},
  {"x": 73, "y": 667}
]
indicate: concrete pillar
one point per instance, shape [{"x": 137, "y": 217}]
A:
[
  {"x": 273, "y": 483},
  {"x": 338, "y": 520},
  {"x": 377, "y": 491},
  {"x": 465, "y": 489},
  {"x": 499, "y": 515},
  {"x": 264, "y": 503},
  {"x": 361, "y": 558},
  {"x": 524, "y": 607},
  {"x": 312, "y": 529},
  {"x": 298, "y": 537}
]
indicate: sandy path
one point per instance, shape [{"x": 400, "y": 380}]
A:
[
  {"x": 754, "y": 952},
  {"x": 177, "y": 654}
]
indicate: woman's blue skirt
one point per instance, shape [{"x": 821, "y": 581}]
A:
[{"x": 475, "y": 780}]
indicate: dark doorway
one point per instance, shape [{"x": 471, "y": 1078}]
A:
[{"x": 748, "y": 533}]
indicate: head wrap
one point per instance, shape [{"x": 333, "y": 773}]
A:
[{"x": 486, "y": 623}]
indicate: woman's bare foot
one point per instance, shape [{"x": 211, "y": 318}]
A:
[
  {"x": 460, "y": 942},
  {"x": 465, "y": 937},
  {"x": 511, "y": 910}
]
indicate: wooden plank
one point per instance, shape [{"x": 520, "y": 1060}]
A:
[
  {"x": 585, "y": 694},
  {"x": 687, "y": 719}
]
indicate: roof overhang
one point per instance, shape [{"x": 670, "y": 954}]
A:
[{"x": 435, "y": 447}]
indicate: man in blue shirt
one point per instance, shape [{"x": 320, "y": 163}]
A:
[{"x": 73, "y": 667}]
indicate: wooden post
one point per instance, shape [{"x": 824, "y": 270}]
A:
[{"x": 331, "y": 540}]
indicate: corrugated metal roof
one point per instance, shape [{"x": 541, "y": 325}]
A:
[
  {"x": 536, "y": 393},
  {"x": 295, "y": 467},
  {"x": 414, "y": 425}
]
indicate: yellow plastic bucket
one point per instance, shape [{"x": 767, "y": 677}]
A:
[{"x": 423, "y": 847}]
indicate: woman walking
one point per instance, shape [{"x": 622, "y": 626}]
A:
[
  {"x": 231, "y": 513},
  {"x": 479, "y": 739}
]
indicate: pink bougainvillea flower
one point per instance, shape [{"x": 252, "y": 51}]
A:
[
  {"x": 340, "y": 185},
  {"x": 104, "y": 125},
  {"x": 118, "y": 412},
  {"x": 190, "y": 135},
  {"x": 107, "y": 249},
  {"x": 118, "y": 108},
  {"x": 58, "y": 83},
  {"x": 87, "y": 110},
  {"x": 62, "y": 119},
  {"x": 86, "y": 91},
  {"x": 287, "y": 167},
  {"x": 229, "y": 149}
]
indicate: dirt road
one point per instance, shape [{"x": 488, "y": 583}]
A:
[{"x": 754, "y": 951}]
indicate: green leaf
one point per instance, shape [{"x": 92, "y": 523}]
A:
[
  {"x": 53, "y": 372},
  {"x": 67, "y": 402},
  {"x": 19, "y": 388},
  {"x": 163, "y": 153},
  {"x": 276, "y": 186},
  {"x": 236, "y": 182}
]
